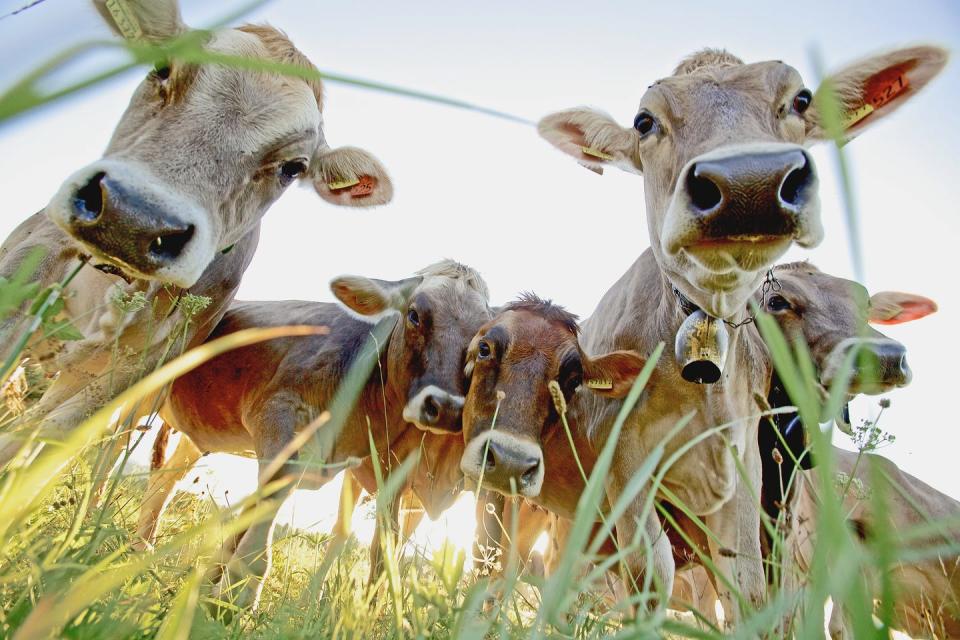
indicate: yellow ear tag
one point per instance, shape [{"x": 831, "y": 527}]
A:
[
  {"x": 125, "y": 19},
  {"x": 342, "y": 184},
  {"x": 855, "y": 116},
  {"x": 596, "y": 153},
  {"x": 600, "y": 383}
]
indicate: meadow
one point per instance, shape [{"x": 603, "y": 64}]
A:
[{"x": 68, "y": 568}]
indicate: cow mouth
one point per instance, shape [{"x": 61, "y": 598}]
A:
[{"x": 736, "y": 253}]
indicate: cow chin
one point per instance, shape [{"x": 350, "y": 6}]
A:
[
  {"x": 719, "y": 294},
  {"x": 127, "y": 225}
]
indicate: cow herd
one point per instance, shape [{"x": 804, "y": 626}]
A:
[{"x": 482, "y": 393}]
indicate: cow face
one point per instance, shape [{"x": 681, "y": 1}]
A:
[
  {"x": 441, "y": 309},
  {"x": 728, "y": 183},
  {"x": 201, "y": 153},
  {"x": 518, "y": 363},
  {"x": 831, "y": 316}
]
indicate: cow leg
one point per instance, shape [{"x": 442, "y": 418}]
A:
[
  {"x": 633, "y": 526},
  {"x": 411, "y": 514},
  {"x": 837, "y": 626},
  {"x": 161, "y": 484},
  {"x": 349, "y": 497},
  {"x": 392, "y": 520},
  {"x": 735, "y": 546},
  {"x": 247, "y": 569}
]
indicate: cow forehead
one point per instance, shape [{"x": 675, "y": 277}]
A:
[
  {"x": 532, "y": 334},
  {"x": 254, "y": 108},
  {"x": 452, "y": 297},
  {"x": 693, "y": 93}
]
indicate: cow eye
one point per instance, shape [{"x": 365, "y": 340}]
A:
[
  {"x": 483, "y": 350},
  {"x": 291, "y": 170},
  {"x": 413, "y": 318},
  {"x": 162, "y": 70},
  {"x": 801, "y": 101},
  {"x": 645, "y": 123},
  {"x": 778, "y": 303}
]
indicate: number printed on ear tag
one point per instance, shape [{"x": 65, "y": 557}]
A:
[
  {"x": 855, "y": 116},
  {"x": 342, "y": 184},
  {"x": 596, "y": 153},
  {"x": 600, "y": 383},
  {"x": 364, "y": 187}
]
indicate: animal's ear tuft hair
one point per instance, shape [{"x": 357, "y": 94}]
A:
[
  {"x": 870, "y": 89},
  {"x": 894, "y": 307},
  {"x": 612, "y": 374},
  {"x": 151, "y": 20},
  {"x": 592, "y": 138},
  {"x": 351, "y": 177}
]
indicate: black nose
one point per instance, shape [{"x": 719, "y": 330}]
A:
[
  {"x": 758, "y": 194},
  {"x": 503, "y": 464},
  {"x": 442, "y": 411},
  {"x": 126, "y": 226},
  {"x": 883, "y": 363}
]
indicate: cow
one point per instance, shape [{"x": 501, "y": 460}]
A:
[
  {"x": 172, "y": 210},
  {"x": 533, "y": 345},
  {"x": 728, "y": 188},
  {"x": 255, "y": 400},
  {"x": 432, "y": 486}
]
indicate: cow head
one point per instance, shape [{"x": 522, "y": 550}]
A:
[
  {"x": 201, "y": 153},
  {"x": 441, "y": 308},
  {"x": 727, "y": 180},
  {"x": 513, "y": 362},
  {"x": 831, "y": 316}
]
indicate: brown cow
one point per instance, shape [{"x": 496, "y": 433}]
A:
[
  {"x": 728, "y": 187},
  {"x": 534, "y": 345},
  {"x": 174, "y": 206},
  {"x": 254, "y": 400}
]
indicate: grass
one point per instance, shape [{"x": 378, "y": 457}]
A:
[{"x": 68, "y": 569}]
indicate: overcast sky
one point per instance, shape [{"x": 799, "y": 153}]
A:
[{"x": 492, "y": 194}]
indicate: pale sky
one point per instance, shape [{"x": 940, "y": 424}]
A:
[{"x": 494, "y": 195}]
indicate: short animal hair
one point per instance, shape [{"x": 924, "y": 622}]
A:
[
  {"x": 281, "y": 50},
  {"x": 799, "y": 265},
  {"x": 706, "y": 58},
  {"x": 531, "y": 302},
  {"x": 447, "y": 268}
]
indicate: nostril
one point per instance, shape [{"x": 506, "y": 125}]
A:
[
  {"x": 88, "y": 201},
  {"x": 489, "y": 461},
  {"x": 704, "y": 192},
  {"x": 904, "y": 367},
  {"x": 431, "y": 411},
  {"x": 168, "y": 245},
  {"x": 794, "y": 186},
  {"x": 531, "y": 473}
]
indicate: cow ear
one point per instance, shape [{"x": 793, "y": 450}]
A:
[
  {"x": 871, "y": 89},
  {"x": 592, "y": 138},
  {"x": 612, "y": 375},
  {"x": 351, "y": 177},
  {"x": 151, "y": 20},
  {"x": 370, "y": 297},
  {"x": 894, "y": 307}
]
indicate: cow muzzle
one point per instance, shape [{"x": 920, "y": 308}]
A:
[
  {"x": 435, "y": 410},
  {"x": 880, "y": 365},
  {"x": 504, "y": 463},
  {"x": 117, "y": 213},
  {"x": 737, "y": 209}
]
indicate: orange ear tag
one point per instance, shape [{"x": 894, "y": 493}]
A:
[
  {"x": 341, "y": 184},
  {"x": 364, "y": 187},
  {"x": 880, "y": 90},
  {"x": 596, "y": 153}
]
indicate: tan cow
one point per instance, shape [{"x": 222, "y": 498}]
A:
[
  {"x": 533, "y": 345},
  {"x": 253, "y": 401},
  {"x": 173, "y": 207},
  {"x": 728, "y": 187}
]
